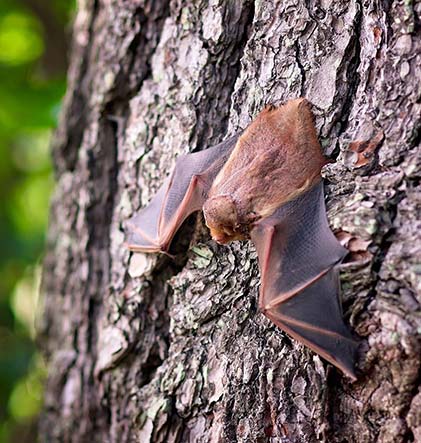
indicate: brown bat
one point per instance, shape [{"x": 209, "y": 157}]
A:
[{"x": 265, "y": 184}]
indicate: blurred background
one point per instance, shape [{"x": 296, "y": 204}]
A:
[{"x": 34, "y": 37}]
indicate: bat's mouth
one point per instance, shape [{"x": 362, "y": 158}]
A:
[
  {"x": 225, "y": 235},
  {"x": 222, "y": 239}
]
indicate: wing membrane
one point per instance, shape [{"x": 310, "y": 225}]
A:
[
  {"x": 185, "y": 190},
  {"x": 299, "y": 293}
]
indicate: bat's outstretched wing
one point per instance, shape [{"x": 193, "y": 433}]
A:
[
  {"x": 184, "y": 191},
  {"x": 299, "y": 290}
]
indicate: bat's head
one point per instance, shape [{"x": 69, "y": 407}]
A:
[{"x": 221, "y": 218}]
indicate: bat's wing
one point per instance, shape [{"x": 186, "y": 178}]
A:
[
  {"x": 184, "y": 191},
  {"x": 299, "y": 290}
]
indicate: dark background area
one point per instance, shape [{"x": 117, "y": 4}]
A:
[{"x": 34, "y": 36}]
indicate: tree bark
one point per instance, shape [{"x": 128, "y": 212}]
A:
[{"x": 143, "y": 348}]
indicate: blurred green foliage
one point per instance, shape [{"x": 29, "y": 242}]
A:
[{"x": 32, "y": 84}]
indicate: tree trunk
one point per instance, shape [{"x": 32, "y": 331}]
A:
[{"x": 143, "y": 348}]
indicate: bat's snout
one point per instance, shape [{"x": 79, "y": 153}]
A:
[{"x": 221, "y": 218}]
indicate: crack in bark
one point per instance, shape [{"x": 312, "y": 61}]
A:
[
  {"x": 74, "y": 120},
  {"x": 203, "y": 131},
  {"x": 300, "y": 67},
  {"x": 352, "y": 57}
]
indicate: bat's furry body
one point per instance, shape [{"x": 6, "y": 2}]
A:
[{"x": 265, "y": 184}]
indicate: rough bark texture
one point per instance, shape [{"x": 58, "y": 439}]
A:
[{"x": 146, "y": 349}]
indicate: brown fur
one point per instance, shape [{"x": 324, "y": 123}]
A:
[{"x": 277, "y": 158}]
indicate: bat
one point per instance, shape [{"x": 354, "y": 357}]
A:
[{"x": 265, "y": 184}]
